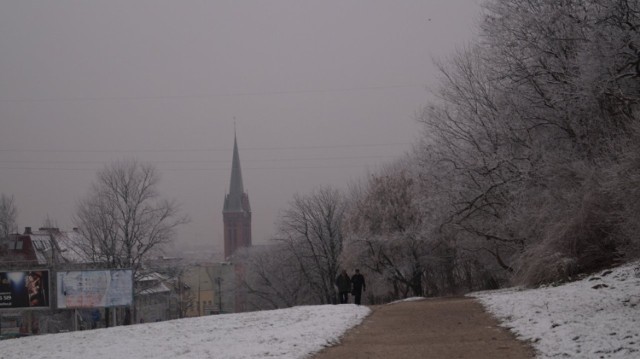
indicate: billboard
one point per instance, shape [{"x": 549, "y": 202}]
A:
[
  {"x": 95, "y": 288},
  {"x": 24, "y": 289}
]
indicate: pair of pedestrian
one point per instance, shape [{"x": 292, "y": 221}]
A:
[{"x": 354, "y": 285}]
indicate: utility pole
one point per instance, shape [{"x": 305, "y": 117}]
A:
[
  {"x": 179, "y": 297},
  {"x": 219, "y": 283},
  {"x": 199, "y": 305}
]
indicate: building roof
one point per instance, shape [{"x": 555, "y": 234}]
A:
[
  {"x": 68, "y": 245},
  {"x": 155, "y": 289},
  {"x": 152, "y": 277},
  {"x": 46, "y": 246},
  {"x": 153, "y": 283},
  {"x": 42, "y": 247},
  {"x": 17, "y": 250}
]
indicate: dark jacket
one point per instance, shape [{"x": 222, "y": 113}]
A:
[
  {"x": 358, "y": 283},
  {"x": 343, "y": 282}
]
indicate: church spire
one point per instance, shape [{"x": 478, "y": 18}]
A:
[
  {"x": 236, "y": 188},
  {"x": 236, "y": 212}
]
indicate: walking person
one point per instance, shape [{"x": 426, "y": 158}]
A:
[
  {"x": 358, "y": 285},
  {"x": 343, "y": 282}
]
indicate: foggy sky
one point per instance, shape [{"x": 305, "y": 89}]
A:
[{"x": 321, "y": 93}]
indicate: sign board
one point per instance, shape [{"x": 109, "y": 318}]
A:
[
  {"x": 24, "y": 289},
  {"x": 95, "y": 288}
]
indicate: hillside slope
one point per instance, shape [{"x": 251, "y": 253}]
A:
[{"x": 597, "y": 317}]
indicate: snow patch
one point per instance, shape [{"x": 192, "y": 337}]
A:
[
  {"x": 597, "y": 317},
  {"x": 285, "y": 333},
  {"x": 410, "y": 299}
]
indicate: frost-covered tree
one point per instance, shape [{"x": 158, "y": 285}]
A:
[
  {"x": 396, "y": 230},
  {"x": 530, "y": 121},
  {"x": 476, "y": 155},
  {"x": 385, "y": 221},
  {"x": 311, "y": 231}
]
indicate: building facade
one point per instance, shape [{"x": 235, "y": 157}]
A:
[{"x": 213, "y": 287}]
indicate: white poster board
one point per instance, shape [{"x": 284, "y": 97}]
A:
[{"x": 95, "y": 288}]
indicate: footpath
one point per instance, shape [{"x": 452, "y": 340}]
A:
[{"x": 430, "y": 328}]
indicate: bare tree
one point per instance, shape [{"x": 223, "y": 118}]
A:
[
  {"x": 311, "y": 230},
  {"x": 273, "y": 280},
  {"x": 48, "y": 222},
  {"x": 8, "y": 216},
  {"x": 623, "y": 188},
  {"x": 123, "y": 219}
]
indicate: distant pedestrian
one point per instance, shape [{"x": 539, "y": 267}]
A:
[
  {"x": 358, "y": 285},
  {"x": 343, "y": 282}
]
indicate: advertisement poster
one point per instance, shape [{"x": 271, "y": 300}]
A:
[
  {"x": 24, "y": 289},
  {"x": 95, "y": 288}
]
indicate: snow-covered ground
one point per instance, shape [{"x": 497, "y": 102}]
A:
[
  {"x": 285, "y": 333},
  {"x": 597, "y": 317}
]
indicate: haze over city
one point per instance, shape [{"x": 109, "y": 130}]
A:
[
  {"x": 318, "y": 93},
  {"x": 440, "y": 177}
]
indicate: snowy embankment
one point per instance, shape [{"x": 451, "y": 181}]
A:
[
  {"x": 597, "y": 317},
  {"x": 285, "y": 333}
]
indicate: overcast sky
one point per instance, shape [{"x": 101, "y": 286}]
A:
[{"x": 322, "y": 92}]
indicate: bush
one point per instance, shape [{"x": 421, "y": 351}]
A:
[{"x": 584, "y": 241}]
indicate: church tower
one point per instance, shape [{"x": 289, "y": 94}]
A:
[{"x": 236, "y": 213}]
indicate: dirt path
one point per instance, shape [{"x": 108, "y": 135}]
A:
[{"x": 431, "y": 328}]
